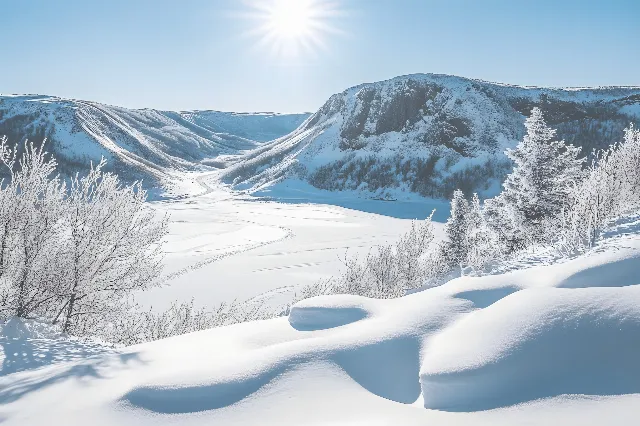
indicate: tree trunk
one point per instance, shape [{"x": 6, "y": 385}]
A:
[
  {"x": 67, "y": 321},
  {"x": 74, "y": 289},
  {"x": 21, "y": 310}
]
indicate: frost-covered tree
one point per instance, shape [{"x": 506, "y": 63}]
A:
[
  {"x": 545, "y": 172},
  {"x": 72, "y": 253},
  {"x": 456, "y": 246},
  {"x": 484, "y": 243},
  {"x": 113, "y": 247},
  {"x": 32, "y": 203},
  {"x": 611, "y": 188}
]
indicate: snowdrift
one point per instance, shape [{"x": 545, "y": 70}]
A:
[
  {"x": 496, "y": 350},
  {"x": 533, "y": 344}
]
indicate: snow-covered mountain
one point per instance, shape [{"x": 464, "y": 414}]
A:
[
  {"x": 420, "y": 134},
  {"x": 143, "y": 143},
  {"x": 429, "y": 134}
]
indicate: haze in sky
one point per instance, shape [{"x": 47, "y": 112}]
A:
[{"x": 291, "y": 55}]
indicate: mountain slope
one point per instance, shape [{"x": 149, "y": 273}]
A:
[
  {"x": 143, "y": 143},
  {"x": 429, "y": 134}
]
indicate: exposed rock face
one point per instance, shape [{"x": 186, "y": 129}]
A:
[{"x": 431, "y": 133}]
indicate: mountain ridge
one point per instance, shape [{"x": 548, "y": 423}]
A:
[
  {"x": 416, "y": 134},
  {"x": 428, "y": 134},
  {"x": 146, "y": 144}
]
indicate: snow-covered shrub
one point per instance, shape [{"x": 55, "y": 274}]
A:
[
  {"x": 410, "y": 254},
  {"x": 180, "y": 318},
  {"x": 610, "y": 189},
  {"x": 387, "y": 271},
  {"x": 72, "y": 254}
]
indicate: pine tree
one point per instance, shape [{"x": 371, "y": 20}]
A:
[
  {"x": 545, "y": 171},
  {"x": 456, "y": 247}
]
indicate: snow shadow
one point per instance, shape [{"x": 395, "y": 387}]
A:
[
  {"x": 486, "y": 297},
  {"x": 22, "y": 350},
  {"x": 621, "y": 273},
  {"x": 89, "y": 370},
  {"x": 392, "y": 208},
  {"x": 591, "y": 356},
  {"x": 193, "y": 399},
  {"x": 303, "y": 193},
  {"x": 308, "y": 318},
  {"x": 388, "y": 368}
]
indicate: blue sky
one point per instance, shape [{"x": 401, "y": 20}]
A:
[{"x": 198, "y": 54}]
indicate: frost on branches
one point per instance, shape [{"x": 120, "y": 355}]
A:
[
  {"x": 72, "y": 252},
  {"x": 545, "y": 172},
  {"x": 387, "y": 271},
  {"x": 611, "y": 188}
]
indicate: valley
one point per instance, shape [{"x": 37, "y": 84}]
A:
[
  {"x": 224, "y": 245},
  {"x": 263, "y": 206}
]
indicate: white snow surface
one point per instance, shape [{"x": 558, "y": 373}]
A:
[
  {"x": 224, "y": 246},
  {"x": 545, "y": 344}
]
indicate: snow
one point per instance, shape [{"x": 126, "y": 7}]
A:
[
  {"x": 547, "y": 339},
  {"x": 28, "y": 344},
  {"x": 536, "y": 343},
  {"x": 517, "y": 344},
  {"x": 337, "y": 311},
  {"x": 224, "y": 246}
]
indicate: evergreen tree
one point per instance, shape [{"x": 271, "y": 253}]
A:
[
  {"x": 544, "y": 174},
  {"x": 456, "y": 247}
]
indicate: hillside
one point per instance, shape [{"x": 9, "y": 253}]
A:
[
  {"x": 428, "y": 134},
  {"x": 142, "y": 143}
]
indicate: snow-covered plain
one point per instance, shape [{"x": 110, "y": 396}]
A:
[
  {"x": 547, "y": 344},
  {"x": 224, "y": 246}
]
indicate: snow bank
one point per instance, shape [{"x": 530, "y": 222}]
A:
[
  {"x": 517, "y": 343},
  {"x": 324, "y": 312},
  {"x": 534, "y": 344}
]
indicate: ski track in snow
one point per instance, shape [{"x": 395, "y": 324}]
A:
[
  {"x": 264, "y": 245},
  {"x": 201, "y": 180}
]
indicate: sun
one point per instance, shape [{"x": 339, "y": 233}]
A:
[
  {"x": 293, "y": 27},
  {"x": 290, "y": 19}
]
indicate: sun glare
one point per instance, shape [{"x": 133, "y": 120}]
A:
[
  {"x": 290, "y": 18},
  {"x": 292, "y": 27}
]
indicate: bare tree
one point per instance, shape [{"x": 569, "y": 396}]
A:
[
  {"x": 32, "y": 205},
  {"x": 113, "y": 246},
  {"x": 611, "y": 188},
  {"x": 72, "y": 254}
]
